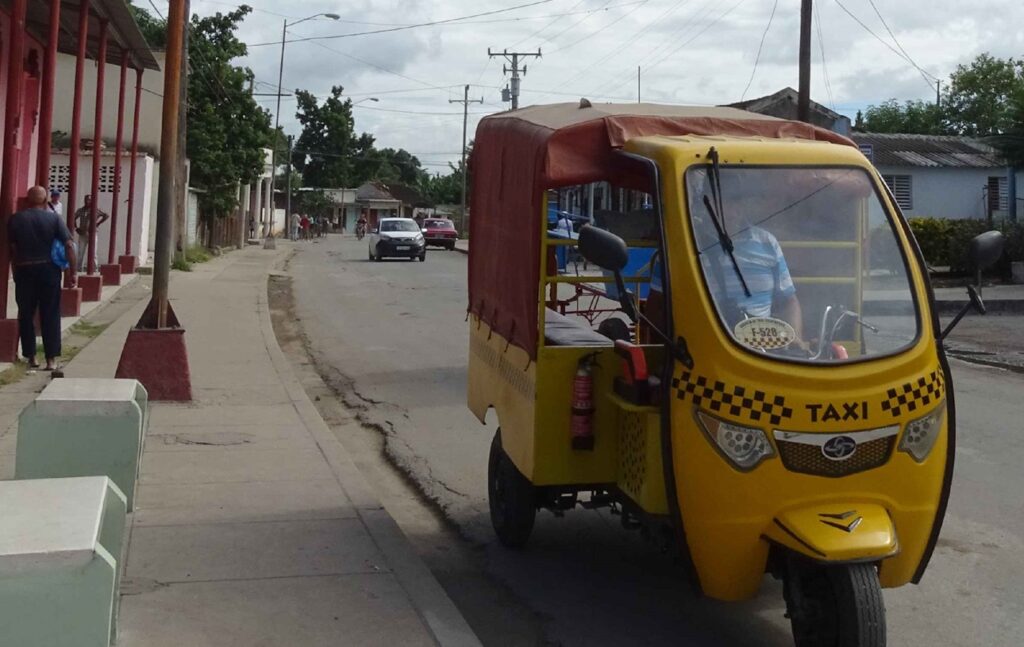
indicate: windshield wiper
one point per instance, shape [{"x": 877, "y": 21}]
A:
[{"x": 716, "y": 217}]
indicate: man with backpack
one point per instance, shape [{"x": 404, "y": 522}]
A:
[{"x": 33, "y": 234}]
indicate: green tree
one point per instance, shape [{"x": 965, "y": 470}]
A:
[
  {"x": 227, "y": 130},
  {"x": 326, "y": 150},
  {"x": 917, "y": 117},
  {"x": 980, "y": 96}
]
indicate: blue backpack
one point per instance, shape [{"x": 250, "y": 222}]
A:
[{"x": 58, "y": 255}]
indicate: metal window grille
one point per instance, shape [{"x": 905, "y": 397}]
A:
[
  {"x": 59, "y": 176},
  {"x": 997, "y": 194},
  {"x": 902, "y": 187}
]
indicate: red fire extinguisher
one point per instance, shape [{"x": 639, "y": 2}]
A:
[{"x": 581, "y": 422}]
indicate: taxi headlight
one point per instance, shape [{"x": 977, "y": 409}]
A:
[
  {"x": 919, "y": 435},
  {"x": 744, "y": 447}
]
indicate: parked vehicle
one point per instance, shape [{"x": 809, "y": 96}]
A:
[
  {"x": 397, "y": 237},
  {"x": 440, "y": 232},
  {"x": 762, "y": 399}
]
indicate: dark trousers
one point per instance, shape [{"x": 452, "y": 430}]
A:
[{"x": 37, "y": 288}]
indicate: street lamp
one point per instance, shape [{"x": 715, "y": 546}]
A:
[
  {"x": 374, "y": 99},
  {"x": 269, "y": 224}
]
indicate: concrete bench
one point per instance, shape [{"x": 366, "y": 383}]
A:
[
  {"x": 84, "y": 427},
  {"x": 60, "y": 550}
]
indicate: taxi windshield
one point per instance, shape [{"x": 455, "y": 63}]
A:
[{"x": 802, "y": 263}]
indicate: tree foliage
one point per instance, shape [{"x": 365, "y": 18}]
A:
[
  {"x": 227, "y": 131},
  {"x": 891, "y": 116},
  {"x": 978, "y": 101},
  {"x": 330, "y": 153}
]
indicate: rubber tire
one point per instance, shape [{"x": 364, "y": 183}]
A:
[
  {"x": 847, "y": 608},
  {"x": 423, "y": 257},
  {"x": 511, "y": 498},
  {"x": 450, "y": 247}
]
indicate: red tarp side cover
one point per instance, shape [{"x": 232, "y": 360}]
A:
[{"x": 518, "y": 155}]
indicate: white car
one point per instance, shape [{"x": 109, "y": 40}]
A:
[{"x": 397, "y": 237}]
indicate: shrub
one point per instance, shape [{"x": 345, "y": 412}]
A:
[{"x": 945, "y": 242}]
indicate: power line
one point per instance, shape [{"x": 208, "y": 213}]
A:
[
  {"x": 824, "y": 66},
  {"x": 881, "y": 40},
  {"x": 700, "y": 33},
  {"x": 413, "y": 26},
  {"x": 924, "y": 74},
  {"x": 689, "y": 21},
  {"x": 614, "y": 51},
  {"x": 595, "y": 33},
  {"x": 757, "y": 59}
]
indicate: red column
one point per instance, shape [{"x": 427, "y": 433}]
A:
[
  {"x": 118, "y": 142},
  {"x": 46, "y": 98},
  {"x": 76, "y": 113},
  {"x": 97, "y": 139},
  {"x": 128, "y": 260},
  {"x": 9, "y": 188}
]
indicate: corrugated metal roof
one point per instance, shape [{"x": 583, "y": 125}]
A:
[{"x": 930, "y": 151}]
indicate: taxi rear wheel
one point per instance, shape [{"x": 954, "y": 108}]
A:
[
  {"x": 511, "y": 497},
  {"x": 835, "y": 606}
]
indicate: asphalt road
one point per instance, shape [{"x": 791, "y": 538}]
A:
[{"x": 391, "y": 339}]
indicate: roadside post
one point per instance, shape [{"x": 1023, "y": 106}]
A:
[{"x": 154, "y": 353}]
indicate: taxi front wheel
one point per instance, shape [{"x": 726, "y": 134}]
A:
[
  {"x": 511, "y": 496},
  {"x": 835, "y": 606}
]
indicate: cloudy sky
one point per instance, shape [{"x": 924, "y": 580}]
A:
[{"x": 689, "y": 52}]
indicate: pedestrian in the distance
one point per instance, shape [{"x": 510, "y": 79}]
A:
[
  {"x": 32, "y": 234},
  {"x": 82, "y": 250},
  {"x": 55, "y": 205},
  {"x": 305, "y": 227},
  {"x": 296, "y": 222}
]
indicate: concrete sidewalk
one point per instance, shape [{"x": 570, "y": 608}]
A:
[{"x": 252, "y": 525}]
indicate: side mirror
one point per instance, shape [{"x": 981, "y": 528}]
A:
[
  {"x": 603, "y": 248},
  {"x": 985, "y": 249},
  {"x": 423, "y": 231},
  {"x": 609, "y": 252}
]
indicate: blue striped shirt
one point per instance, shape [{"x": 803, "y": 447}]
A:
[{"x": 764, "y": 268}]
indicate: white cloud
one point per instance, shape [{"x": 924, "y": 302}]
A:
[{"x": 699, "y": 51}]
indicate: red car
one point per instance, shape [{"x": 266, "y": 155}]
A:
[{"x": 440, "y": 232}]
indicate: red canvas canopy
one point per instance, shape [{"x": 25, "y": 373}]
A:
[{"x": 518, "y": 155}]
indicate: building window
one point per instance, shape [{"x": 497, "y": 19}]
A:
[
  {"x": 997, "y": 194},
  {"x": 901, "y": 187},
  {"x": 60, "y": 175},
  {"x": 868, "y": 151}
]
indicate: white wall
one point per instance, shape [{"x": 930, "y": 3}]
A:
[
  {"x": 151, "y": 110},
  {"x": 947, "y": 192},
  {"x": 145, "y": 198}
]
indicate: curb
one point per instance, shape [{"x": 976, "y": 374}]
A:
[
  {"x": 440, "y": 615},
  {"x": 460, "y": 250}
]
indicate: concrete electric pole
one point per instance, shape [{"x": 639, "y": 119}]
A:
[
  {"x": 513, "y": 58},
  {"x": 803, "y": 104},
  {"x": 465, "y": 101}
]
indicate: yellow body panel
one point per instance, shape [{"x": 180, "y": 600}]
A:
[
  {"x": 730, "y": 516},
  {"x": 724, "y": 511},
  {"x": 838, "y": 531}
]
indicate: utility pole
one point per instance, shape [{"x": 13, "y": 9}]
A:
[
  {"x": 288, "y": 196},
  {"x": 803, "y": 105},
  {"x": 513, "y": 58},
  {"x": 169, "y": 154},
  {"x": 465, "y": 101}
]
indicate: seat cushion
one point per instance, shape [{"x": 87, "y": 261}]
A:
[{"x": 560, "y": 330}]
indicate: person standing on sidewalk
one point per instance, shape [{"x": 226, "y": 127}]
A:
[
  {"x": 296, "y": 222},
  {"x": 55, "y": 205},
  {"x": 82, "y": 250},
  {"x": 32, "y": 233}
]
